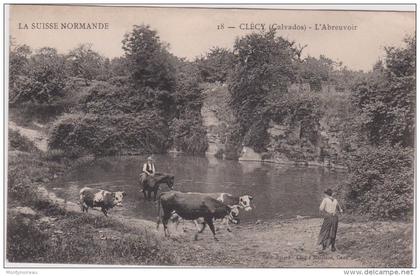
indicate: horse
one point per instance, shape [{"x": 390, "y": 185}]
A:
[{"x": 151, "y": 184}]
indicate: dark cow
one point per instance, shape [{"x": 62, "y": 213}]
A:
[
  {"x": 100, "y": 198},
  {"x": 243, "y": 202},
  {"x": 191, "y": 206},
  {"x": 152, "y": 183}
]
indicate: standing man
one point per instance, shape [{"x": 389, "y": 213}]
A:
[{"x": 328, "y": 209}]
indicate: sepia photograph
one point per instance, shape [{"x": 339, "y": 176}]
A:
[{"x": 204, "y": 136}]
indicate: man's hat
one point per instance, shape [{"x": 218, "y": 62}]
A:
[
  {"x": 149, "y": 158},
  {"x": 328, "y": 192}
]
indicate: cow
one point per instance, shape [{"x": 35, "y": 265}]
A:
[
  {"x": 106, "y": 200},
  {"x": 192, "y": 206},
  {"x": 243, "y": 202}
]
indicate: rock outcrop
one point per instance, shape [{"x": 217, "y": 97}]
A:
[{"x": 291, "y": 142}]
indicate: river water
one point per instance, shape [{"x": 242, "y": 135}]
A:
[{"x": 279, "y": 191}]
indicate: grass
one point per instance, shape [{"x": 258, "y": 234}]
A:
[
  {"x": 387, "y": 245},
  {"x": 80, "y": 239}
]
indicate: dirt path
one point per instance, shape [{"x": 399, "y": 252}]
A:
[
  {"x": 288, "y": 243},
  {"x": 37, "y": 137}
]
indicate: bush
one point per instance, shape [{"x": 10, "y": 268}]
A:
[
  {"x": 189, "y": 135},
  {"x": 53, "y": 155},
  {"x": 216, "y": 65},
  {"x": 30, "y": 242},
  {"x": 257, "y": 136},
  {"x": 25, "y": 241},
  {"x": 19, "y": 142},
  {"x": 82, "y": 134},
  {"x": 233, "y": 146},
  {"x": 381, "y": 182},
  {"x": 25, "y": 173}
]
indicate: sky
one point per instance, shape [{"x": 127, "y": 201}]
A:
[{"x": 192, "y": 32}]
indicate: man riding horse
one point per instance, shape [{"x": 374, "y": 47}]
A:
[
  {"x": 148, "y": 170},
  {"x": 150, "y": 180}
]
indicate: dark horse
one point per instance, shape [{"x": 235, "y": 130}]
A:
[{"x": 151, "y": 184}]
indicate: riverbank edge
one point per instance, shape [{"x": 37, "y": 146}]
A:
[
  {"x": 283, "y": 162},
  {"x": 37, "y": 137}
]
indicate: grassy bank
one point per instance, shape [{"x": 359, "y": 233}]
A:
[
  {"x": 378, "y": 243},
  {"x": 76, "y": 238}
]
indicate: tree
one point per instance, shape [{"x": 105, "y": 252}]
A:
[
  {"x": 315, "y": 71},
  {"x": 216, "y": 65},
  {"x": 18, "y": 69},
  {"x": 265, "y": 64},
  {"x": 151, "y": 73},
  {"x": 85, "y": 63},
  {"x": 381, "y": 175},
  {"x": 18, "y": 62},
  {"x": 45, "y": 78},
  {"x": 386, "y": 98},
  {"x": 187, "y": 131},
  {"x": 148, "y": 59},
  {"x": 118, "y": 67}
]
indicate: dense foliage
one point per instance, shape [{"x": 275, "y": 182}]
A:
[
  {"x": 85, "y": 63},
  {"x": 39, "y": 79},
  {"x": 80, "y": 134},
  {"x": 187, "y": 131},
  {"x": 315, "y": 72},
  {"x": 386, "y": 98},
  {"x": 381, "y": 182},
  {"x": 265, "y": 65},
  {"x": 148, "y": 60},
  {"x": 382, "y": 173},
  {"x": 216, "y": 65},
  {"x": 150, "y": 102}
]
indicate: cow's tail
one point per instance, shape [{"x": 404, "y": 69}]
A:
[{"x": 159, "y": 214}]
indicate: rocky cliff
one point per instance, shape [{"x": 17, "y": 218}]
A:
[{"x": 291, "y": 142}]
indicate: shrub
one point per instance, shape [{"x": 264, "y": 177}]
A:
[
  {"x": 20, "y": 142},
  {"x": 53, "y": 155},
  {"x": 25, "y": 241},
  {"x": 189, "y": 135},
  {"x": 25, "y": 173},
  {"x": 82, "y": 134},
  {"x": 233, "y": 146},
  {"x": 381, "y": 182},
  {"x": 28, "y": 241}
]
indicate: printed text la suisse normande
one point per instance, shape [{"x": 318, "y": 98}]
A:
[{"x": 63, "y": 26}]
